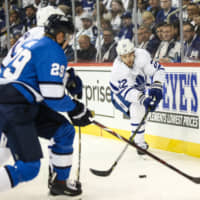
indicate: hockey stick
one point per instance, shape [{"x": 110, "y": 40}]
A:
[
  {"x": 79, "y": 154},
  {"x": 191, "y": 178},
  {"x": 108, "y": 172}
]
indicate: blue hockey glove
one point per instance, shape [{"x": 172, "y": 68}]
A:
[
  {"x": 148, "y": 102},
  {"x": 156, "y": 92},
  {"x": 74, "y": 84},
  {"x": 80, "y": 115}
]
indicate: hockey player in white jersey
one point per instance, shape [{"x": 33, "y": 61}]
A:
[
  {"x": 133, "y": 70},
  {"x": 29, "y": 106}
]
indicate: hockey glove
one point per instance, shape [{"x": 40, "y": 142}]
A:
[
  {"x": 148, "y": 102},
  {"x": 156, "y": 92},
  {"x": 80, "y": 115},
  {"x": 74, "y": 84}
]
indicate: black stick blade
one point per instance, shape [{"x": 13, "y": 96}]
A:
[
  {"x": 195, "y": 180},
  {"x": 101, "y": 173}
]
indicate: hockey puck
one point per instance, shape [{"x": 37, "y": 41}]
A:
[{"x": 142, "y": 176}]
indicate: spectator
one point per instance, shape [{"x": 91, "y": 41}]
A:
[
  {"x": 140, "y": 34},
  {"x": 88, "y": 5},
  {"x": 169, "y": 49},
  {"x": 185, "y": 5},
  {"x": 79, "y": 11},
  {"x": 102, "y": 10},
  {"x": 192, "y": 43},
  {"x": 196, "y": 19},
  {"x": 154, "y": 7},
  {"x": 159, "y": 30},
  {"x": 88, "y": 28},
  {"x": 144, "y": 33},
  {"x": 114, "y": 15},
  {"x": 195, "y": 14},
  {"x": 151, "y": 41},
  {"x": 153, "y": 44},
  {"x": 69, "y": 52},
  {"x": 148, "y": 19},
  {"x": 105, "y": 24},
  {"x": 108, "y": 50},
  {"x": 11, "y": 6},
  {"x": 192, "y": 8},
  {"x": 147, "y": 40},
  {"x": 166, "y": 9},
  {"x": 127, "y": 30},
  {"x": 30, "y": 17},
  {"x": 15, "y": 26},
  {"x": 15, "y": 22},
  {"x": 142, "y": 5},
  {"x": 87, "y": 51}
]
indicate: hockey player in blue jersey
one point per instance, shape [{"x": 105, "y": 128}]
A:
[
  {"x": 34, "y": 33},
  {"x": 132, "y": 72},
  {"x": 32, "y": 92}
]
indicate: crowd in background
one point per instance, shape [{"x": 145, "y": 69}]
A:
[{"x": 158, "y": 31}]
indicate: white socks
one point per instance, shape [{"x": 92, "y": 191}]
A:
[
  {"x": 139, "y": 138},
  {"x": 5, "y": 154},
  {"x": 5, "y": 183}
]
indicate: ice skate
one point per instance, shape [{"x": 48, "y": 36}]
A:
[
  {"x": 144, "y": 146},
  {"x": 68, "y": 189}
]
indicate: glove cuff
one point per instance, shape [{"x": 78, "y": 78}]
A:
[
  {"x": 78, "y": 108},
  {"x": 156, "y": 85}
]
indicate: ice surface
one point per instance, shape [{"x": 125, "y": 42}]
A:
[{"x": 124, "y": 183}]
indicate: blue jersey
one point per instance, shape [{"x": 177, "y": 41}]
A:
[{"x": 38, "y": 71}]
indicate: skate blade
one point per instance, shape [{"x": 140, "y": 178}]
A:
[{"x": 64, "y": 197}]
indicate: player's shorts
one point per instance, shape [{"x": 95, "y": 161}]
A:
[
  {"x": 23, "y": 123},
  {"x": 17, "y": 121}
]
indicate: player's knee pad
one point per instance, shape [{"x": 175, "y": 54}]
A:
[
  {"x": 23, "y": 171},
  {"x": 63, "y": 139}
]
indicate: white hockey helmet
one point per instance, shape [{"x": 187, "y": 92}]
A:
[
  {"x": 125, "y": 46},
  {"x": 44, "y": 13}
]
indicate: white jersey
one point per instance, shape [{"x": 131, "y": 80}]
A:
[
  {"x": 123, "y": 79},
  {"x": 34, "y": 33}
]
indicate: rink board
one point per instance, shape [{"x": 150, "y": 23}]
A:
[{"x": 175, "y": 124}]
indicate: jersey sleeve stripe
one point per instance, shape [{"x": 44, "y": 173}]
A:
[
  {"x": 114, "y": 87},
  {"x": 52, "y": 90}
]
